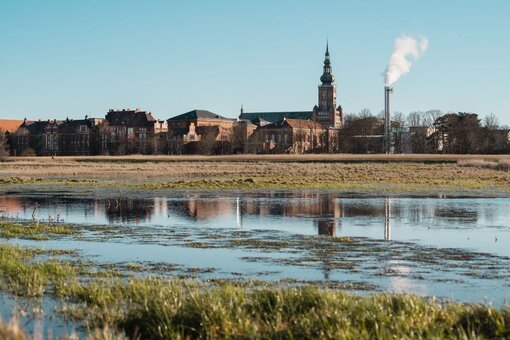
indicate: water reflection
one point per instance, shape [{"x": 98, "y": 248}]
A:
[
  {"x": 387, "y": 218},
  {"x": 468, "y": 223}
]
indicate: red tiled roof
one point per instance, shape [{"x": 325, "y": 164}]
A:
[{"x": 10, "y": 125}]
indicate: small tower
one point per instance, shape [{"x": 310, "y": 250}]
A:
[{"x": 327, "y": 113}]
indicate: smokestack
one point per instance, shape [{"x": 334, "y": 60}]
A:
[{"x": 387, "y": 119}]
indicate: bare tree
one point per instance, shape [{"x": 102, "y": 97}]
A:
[
  {"x": 365, "y": 113},
  {"x": 491, "y": 122},
  {"x": 398, "y": 119},
  {"x": 415, "y": 118},
  {"x": 431, "y": 116}
]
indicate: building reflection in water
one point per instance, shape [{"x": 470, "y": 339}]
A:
[
  {"x": 387, "y": 218},
  {"x": 238, "y": 213}
]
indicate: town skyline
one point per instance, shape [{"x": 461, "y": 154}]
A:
[{"x": 60, "y": 65}]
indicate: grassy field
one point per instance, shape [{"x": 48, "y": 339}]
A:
[{"x": 412, "y": 174}]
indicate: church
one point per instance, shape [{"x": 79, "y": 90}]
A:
[{"x": 300, "y": 131}]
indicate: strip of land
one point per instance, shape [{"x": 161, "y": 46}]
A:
[{"x": 472, "y": 175}]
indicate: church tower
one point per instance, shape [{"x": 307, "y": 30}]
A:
[{"x": 327, "y": 113}]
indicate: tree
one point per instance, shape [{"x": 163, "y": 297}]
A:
[
  {"x": 491, "y": 122},
  {"x": 431, "y": 116},
  {"x": 415, "y": 118},
  {"x": 359, "y": 134},
  {"x": 207, "y": 142},
  {"x": 364, "y": 113},
  {"x": 4, "y": 145},
  {"x": 459, "y": 132}
]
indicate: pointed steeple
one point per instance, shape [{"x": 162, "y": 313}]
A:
[{"x": 327, "y": 77}]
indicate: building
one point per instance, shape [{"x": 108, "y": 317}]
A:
[
  {"x": 132, "y": 132},
  {"x": 306, "y": 131},
  {"x": 289, "y": 136},
  {"x": 37, "y": 138},
  {"x": 327, "y": 113},
  {"x": 79, "y": 137},
  {"x": 186, "y": 130}
]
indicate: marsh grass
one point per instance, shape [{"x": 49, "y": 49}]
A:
[
  {"x": 380, "y": 173},
  {"x": 159, "y": 308},
  {"x": 500, "y": 165},
  {"x": 35, "y": 230},
  {"x": 12, "y": 331},
  {"x": 23, "y": 273}
]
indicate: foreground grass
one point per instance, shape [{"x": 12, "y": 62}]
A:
[
  {"x": 159, "y": 308},
  {"x": 24, "y": 273},
  {"x": 11, "y": 331}
]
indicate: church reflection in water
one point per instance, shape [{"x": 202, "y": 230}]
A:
[{"x": 325, "y": 210}]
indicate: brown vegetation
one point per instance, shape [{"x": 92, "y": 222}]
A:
[{"x": 375, "y": 173}]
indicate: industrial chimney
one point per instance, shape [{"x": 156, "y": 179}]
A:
[{"x": 387, "y": 119}]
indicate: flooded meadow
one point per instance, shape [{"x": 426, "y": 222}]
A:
[{"x": 449, "y": 248}]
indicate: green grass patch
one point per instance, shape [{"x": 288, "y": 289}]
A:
[
  {"x": 159, "y": 308},
  {"x": 35, "y": 230}
]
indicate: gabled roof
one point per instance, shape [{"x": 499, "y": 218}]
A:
[
  {"x": 195, "y": 114},
  {"x": 272, "y": 117},
  {"x": 10, "y": 125}
]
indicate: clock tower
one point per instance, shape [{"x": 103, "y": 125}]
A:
[{"x": 327, "y": 113}]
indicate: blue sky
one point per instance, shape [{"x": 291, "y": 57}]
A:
[{"x": 71, "y": 58}]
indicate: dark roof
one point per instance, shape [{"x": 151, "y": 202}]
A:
[
  {"x": 119, "y": 117},
  {"x": 257, "y": 117},
  {"x": 141, "y": 119},
  {"x": 294, "y": 124},
  {"x": 37, "y": 127},
  {"x": 195, "y": 114},
  {"x": 129, "y": 117}
]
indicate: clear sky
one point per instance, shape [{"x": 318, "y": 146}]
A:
[{"x": 71, "y": 58}]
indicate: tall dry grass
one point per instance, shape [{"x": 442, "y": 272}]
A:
[
  {"x": 500, "y": 165},
  {"x": 12, "y": 331}
]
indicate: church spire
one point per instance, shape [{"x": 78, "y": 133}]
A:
[{"x": 327, "y": 77}]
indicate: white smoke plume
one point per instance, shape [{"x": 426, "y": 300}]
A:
[{"x": 406, "y": 49}]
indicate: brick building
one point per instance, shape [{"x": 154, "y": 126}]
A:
[
  {"x": 40, "y": 138},
  {"x": 186, "y": 130},
  {"x": 131, "y": 132},
  {"x": 289, "y": 136},
  {"x": 79, "y": 137}
]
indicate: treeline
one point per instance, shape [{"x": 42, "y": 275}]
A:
[{"x": 426, "y": 132}]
